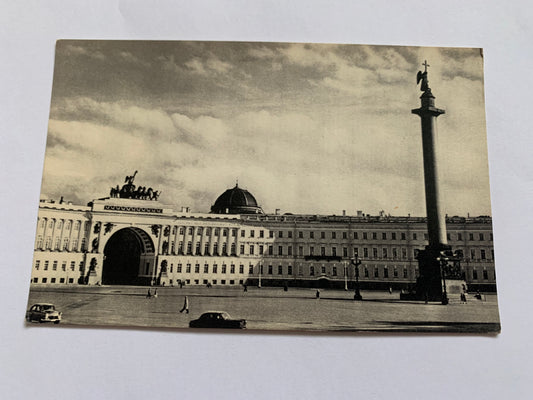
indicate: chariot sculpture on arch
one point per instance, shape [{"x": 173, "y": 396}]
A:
[{"x": 129, "y": 190}]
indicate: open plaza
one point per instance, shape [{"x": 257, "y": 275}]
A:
[{"x": 296, "y": 309}]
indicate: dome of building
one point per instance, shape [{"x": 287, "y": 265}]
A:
[{"x": 236, "y": 201}]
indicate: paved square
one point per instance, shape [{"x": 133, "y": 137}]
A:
[{"x": 268, "y": 309}]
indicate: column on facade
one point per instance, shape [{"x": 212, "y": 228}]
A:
[
  {"x": 228, "y": 242},
  {"x": 175, "y": 239},
  {"x": 53, "y": 233},
  {"x": 185, "y": 238},
  {"x": 220, "y": 236},
  {"x": 43, "y": 243},
  {"x": 212, "y": 240},
  {"x": 101, "y": 224},
  {"x": 202, "y": 241},
  {"x": 70, "y": 234},
  {"x": 61, "y": 235},
  {"x": 194, "y": 240},
  {"x": 80, "y": 233}
]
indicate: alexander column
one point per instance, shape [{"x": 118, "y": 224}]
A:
[{"x": 437, "y": 277}]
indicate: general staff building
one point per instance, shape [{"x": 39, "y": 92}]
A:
[{"x": 124, "y": 241}]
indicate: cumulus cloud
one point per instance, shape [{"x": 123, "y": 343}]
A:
[{"x": 306, "y": 128}]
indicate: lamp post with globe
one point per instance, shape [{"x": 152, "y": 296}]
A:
[{"x": 356, "y": 263}]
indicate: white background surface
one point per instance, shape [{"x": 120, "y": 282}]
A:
[{"x": 118, "y": 363}]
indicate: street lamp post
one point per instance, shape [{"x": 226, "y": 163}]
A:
[
  {"x": 356, "y": 263},
  {"x": 443, "y": 263}
]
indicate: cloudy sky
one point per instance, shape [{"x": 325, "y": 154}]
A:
[{"x": 305, "y": 128}]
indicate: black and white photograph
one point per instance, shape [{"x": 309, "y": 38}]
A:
[
  {"x": 272, "y": 200},
  {"x": 265, "y": 186}
]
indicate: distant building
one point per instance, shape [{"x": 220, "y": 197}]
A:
[{"x": 129, "y": 241}]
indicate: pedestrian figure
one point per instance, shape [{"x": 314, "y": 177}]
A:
[
  {"x": 155, "y": 293},
  {"x": 245, "y": 288},
  {"x": 185, "y": 305},
  {"x": 317, "y": 294},
  {"x": 390, "y": 289},
  {"x": 463, "y": 298},
  {"x": 149, "y": 295}
]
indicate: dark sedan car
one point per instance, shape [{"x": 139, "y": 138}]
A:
[
  {"x": 43, "y": 312},
  {"x": 217, "y": 319}
]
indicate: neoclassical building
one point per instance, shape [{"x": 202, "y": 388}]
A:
[{"x": 132, "y": 241}]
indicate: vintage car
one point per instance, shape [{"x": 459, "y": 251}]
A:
[
  {"x": 43, "y": 312},
  {"x": 217, "y": 319}
]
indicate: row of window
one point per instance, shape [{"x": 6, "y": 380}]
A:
[
  {"x": 55, "y": 265},
  {"x": 311, "y": 234},
  {"x": 366, "y": 273},
  {"x": 385, "y": 252},
  {"x": 288, "y": 270},
  {"x": 53, "y": 280},
  {"x": 67, "y": 245},
  {"x": 68, "y": 224}
]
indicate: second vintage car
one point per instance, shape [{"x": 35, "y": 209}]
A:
[
  {"x": 43, "y": 312},
  {"x": 217, "y": 319}
]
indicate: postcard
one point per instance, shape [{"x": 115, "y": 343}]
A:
[{"x": 289, "y": 187}]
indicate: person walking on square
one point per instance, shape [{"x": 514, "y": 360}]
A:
[
  {"x": 317, "y": 294},
  {"x": 185, "y": 305},
  {"x": 149, "y": 295}
]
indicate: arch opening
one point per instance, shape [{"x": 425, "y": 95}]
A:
[{"x": 125, "y": 258}]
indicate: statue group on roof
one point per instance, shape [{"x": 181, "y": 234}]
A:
[{"x": 130, "y": 191}]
